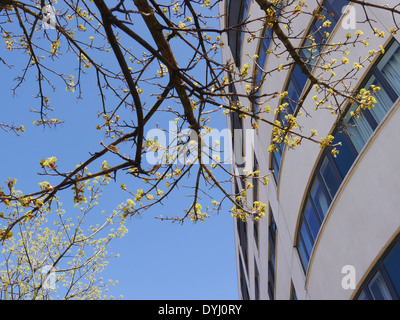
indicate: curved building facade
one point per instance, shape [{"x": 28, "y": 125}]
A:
[{"x": 333, "y": 225}]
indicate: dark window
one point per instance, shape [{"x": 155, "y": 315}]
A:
[
  {"x": 299, "y": 78},
  {"x": 378, "y": 288},
  {"x": 242, "y": 18},
  {"x": 292, "y": 97},
  {"x": 303, "y": 249},
  {"x": 262, "y": 58},
  {"x": 332, "y": 12},
  {"x": 306, "y": 239},
  {"x": 389, "y": 69},
  {"x": 271, "y": 256},
  {"x": 353, "y": 136},
  {"x": 392, "y": 267},
  {"x": 242, "y": 231},
  {"x": 276, "y": 160},
  {"x": 237, "y": 14},
  {"x": 255, "y": 231},
  {"x": 267, "y": 36},
  {"x": 256, "y": 281},
  {"x": 312, "y": 220},
  {"x": 383, "y": 283},
  {"x": 256, "y": 224},
  {"x": 243, "y": 283},
  {"x": 346, "y": 156},
  {"x": 233, "y": 11},
  {"x": 330, "y": 176},
  {"x": 255, "y": 178},
  {"x": 320, "y": 198},
  {"x": 262, "y": 53},
  {"x": 237, "y": 127},
  {"x": 293, "y": 295}
]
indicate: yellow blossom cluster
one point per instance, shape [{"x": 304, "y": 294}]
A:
[
  {"x": 49, "y": 163},
  {"x": 60, "y": 243},
  {"x": 244, "y": 71},
  {"x": 366, "y": 100},
  {"x": 325, "y": 142},
  {"x": 196, "y": 213}
]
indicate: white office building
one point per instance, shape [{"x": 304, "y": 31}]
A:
[{"x": 332, "y": 230}]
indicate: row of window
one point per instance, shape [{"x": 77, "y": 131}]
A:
[
  {"x": 384, "y": 281},
  {"x": 262, "y": 56},
  {"x": 297, "y": 80},
  {"x": 332, "y": 10},
  {"x": 256, "y": 281},
  {"x": 243, "y": 244},
  {"x": 235, "y": 40},
  {"x": 331, "y": 171},
  {"x": 264, "y": 45},
  {"x": 237, "y": 13},
  {"x": 242, "y": 234},
  {"x": 271, "y": 255},
  {"x": 242, "y": 281}
]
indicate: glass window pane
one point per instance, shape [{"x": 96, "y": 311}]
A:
[
  {"x": 262, "y": 54},
  {"x": 241, "y": 35},
  {"x": 332, "y": 13},
  {"x": 330, "y": 177},
  {"x": 304, "y": 247},
  {"x": 362, "y": 296},
  {"x": 384, "y": 102},
  {"x": 390, "y": 67},
  {"x": 336, "y": 7},
  {"x": 346, "y": 156},
  {"x": 312, "y": 220},
  {"x": 358, "y": 129},
  {"x": 317, "y": 32},
  {"x": 275, "y": 167},
  {"x": 262, "y": 58},
  {"x": 320, "y": 199},
  {"x": 378, "y": 288},
  {"x": 305, "y": 237},
  {"x": 308, "y": 52},
  {"x": 267, "y": 39},
  {"x": 392, "y": 267},
  {"x": 272, "y": 229},
  {"x": 272, "y": 263},
  {"x": 255, "y": 232},
  {"x": 259, "y": 75},
  {"x": 276, "y": 163},
  {"x": 300, "y": 78},
  {"x": 233, "y": 19},
  {"x": 256, "y": 282},
  {"x": 303, "y": 254},
  {"x": 292, "y": 97}
]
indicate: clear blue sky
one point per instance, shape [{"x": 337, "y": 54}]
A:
[{"x": 158, "y": 260}]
